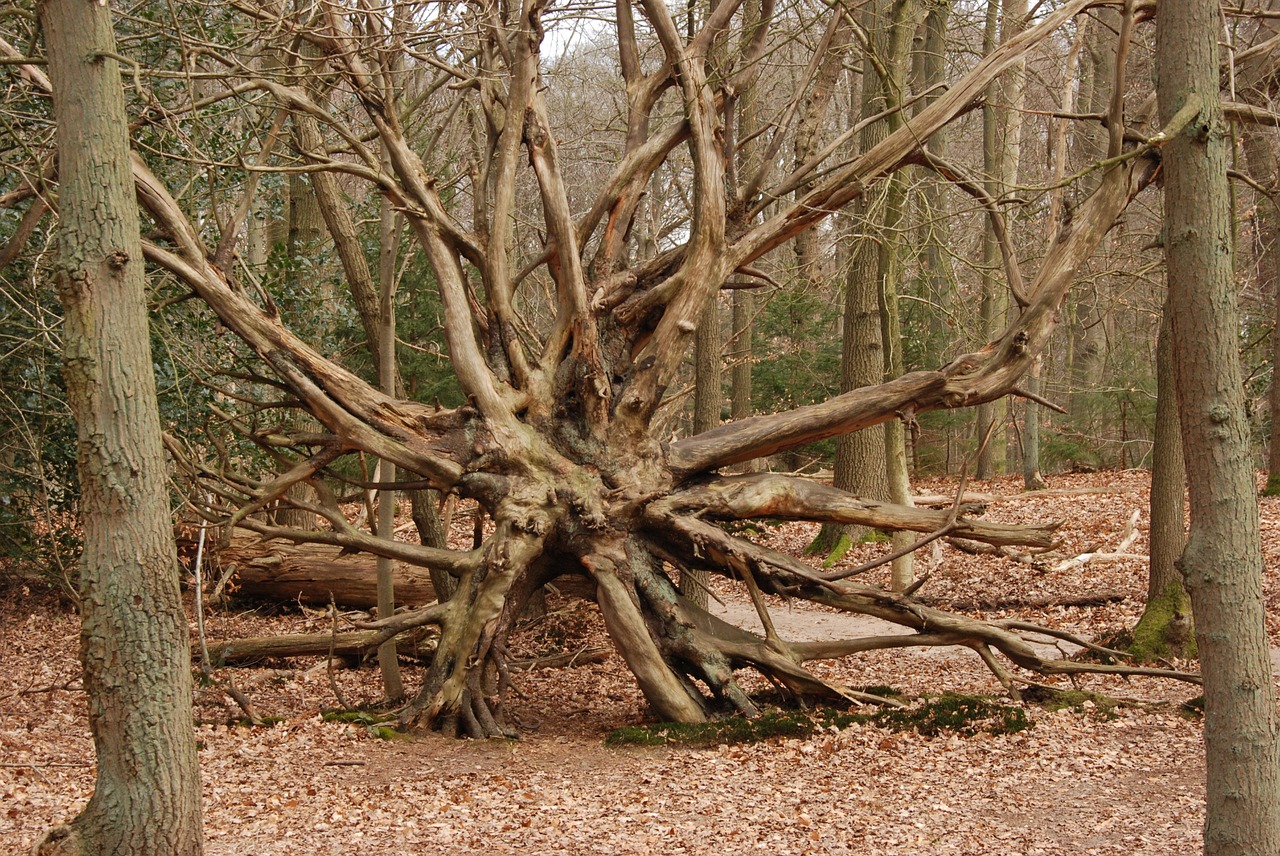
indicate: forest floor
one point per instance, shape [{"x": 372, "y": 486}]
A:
[{"x": 1082, "y": 780}]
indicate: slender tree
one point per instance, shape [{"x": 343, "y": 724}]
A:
[
  {"x": 1164, "y": 630},
  {"x": 137, "y": 670},
  {"x": 1222, "y": 563}
]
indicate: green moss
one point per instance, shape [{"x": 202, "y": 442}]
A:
[
  {"x": 843, "y": 545},
  {"x": 1273, "y": 485},
  {"x": 959, "y": 713},
  {"x": 1077, "y": 700},
  {"x": 729, "y": 731},
  {"x": 955, "y": 713},
  {"x": 1165, "y": 629},
  {"x": 379, "y": 723},
  {"x": 356, "y": 717}
]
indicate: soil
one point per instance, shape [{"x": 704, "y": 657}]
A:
[{"x": 1083, "y": 780}]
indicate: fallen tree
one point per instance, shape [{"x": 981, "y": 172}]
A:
[
  {"x": 566, "y": 346},
  {"x": 313, "y": 574}
]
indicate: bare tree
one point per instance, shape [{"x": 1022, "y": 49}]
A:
[{"x": 567, "y": 341}]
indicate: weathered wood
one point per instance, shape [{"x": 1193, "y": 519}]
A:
[
  {"x": 1097, "y": 598},
  {"x": 315, "y": 574},
  {"x": 767, "y": 495},
  {"x": 233, "y": 651}
]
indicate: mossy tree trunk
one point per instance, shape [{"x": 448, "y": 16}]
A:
[
  {"x": 1164, "y": 630},
  {"x": 137, "y": 670}
]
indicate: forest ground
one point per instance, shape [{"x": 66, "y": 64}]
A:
[{"x": 1081, "y": 781}]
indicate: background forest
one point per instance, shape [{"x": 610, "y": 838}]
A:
[
  {"x": 620, "y": 282},
  {"x": 1037, "y": 138}
]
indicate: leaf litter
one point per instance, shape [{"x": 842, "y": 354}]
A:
[{"x": 1084, "y": 779}]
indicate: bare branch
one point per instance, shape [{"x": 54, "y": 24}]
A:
[{"x": 767, "y": 495}]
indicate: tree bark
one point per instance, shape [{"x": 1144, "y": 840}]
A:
[
  {"x": 1164, "y": 630},
  {"x": 860, "y": 464},
  {"x": 385, "y": 350},
  {"x": 314, "y": 574},
  {"x": 1031, "y": 477},
  {"x": 137, "y": 670},
  {"x": 1222, "y": 564},
  {"x": 708, "y": 396},
  {"x": 990, "y": 416}
]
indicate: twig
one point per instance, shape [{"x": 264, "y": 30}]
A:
[
  {"x": 582, "y": 656},
  {"x": 1039, "y": 399},
  {"x": 333, "y": 681},
  {"x": 242, "y": 701},
  {"x": 199, "y": 564}
]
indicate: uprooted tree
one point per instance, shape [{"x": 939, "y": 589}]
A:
[{"x": 566, "y": 344}]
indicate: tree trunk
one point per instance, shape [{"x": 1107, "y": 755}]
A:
[
  {"x": 933, "y": 221},
  {"x": 860, "y": 464},
  {"x": 314, "y": 574},
  {"x": 1087, "y": 343},
  {"x": 1260, "y": 152},
  {"x": 1031, "y": 477},
  {"x": 990, "y": 416},
  {"x": 708, "y": 397},
  {"x": 1002, "y": 153},
  {"x": 137, "y": 670},
  {"x": 900, "y": 24},
  {"x": 1222, "y": 564},
  {"x": 1164, "y": 630},
  {"x": 389, "y": 246}
]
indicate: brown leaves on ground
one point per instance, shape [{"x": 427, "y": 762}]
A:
[{"x": 1078, "y": 782}]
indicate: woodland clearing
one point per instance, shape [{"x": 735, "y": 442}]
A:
[{"x": 1083, "y": 779}]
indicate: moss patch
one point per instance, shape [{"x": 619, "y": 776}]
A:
[
  {"x": 836, "y": 553},
  {"x": 1273, "y": 485},
  {"x": 378, "y": 723},
  {"x": 959, "y": 714},
  {"x": 1076, "y": 700},
  {"x": 1165, "y": 629}
]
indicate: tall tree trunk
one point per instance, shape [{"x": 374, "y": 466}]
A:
[
  {"x": 1222, "y": 564},
  {"x": 388, "y": 661},
  {"x": 1087, "y": 343},
  {"x": 933, "y": 227},
  {"x": 994, "y": 300},
  {"x": 900, "y": 25},
  {"x": 304, "y": 232},
  {"x": 748, "y": 153},
  {"x": 1031, "y": 477},
  {"x": 861, "y": 466},
  {"x": 1260, "y": 152},
  {"x": 1164, "y": 630},
  {"x": 137, "y": 670},
  {"x": 1002, "y": 153},
  {"x": 708, "y": 396}
]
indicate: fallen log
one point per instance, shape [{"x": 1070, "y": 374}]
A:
[
  {"x": 313, "y": 574},
  {"x": 229, "y": 652},
  {"x": 1099, "y": 598}
]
